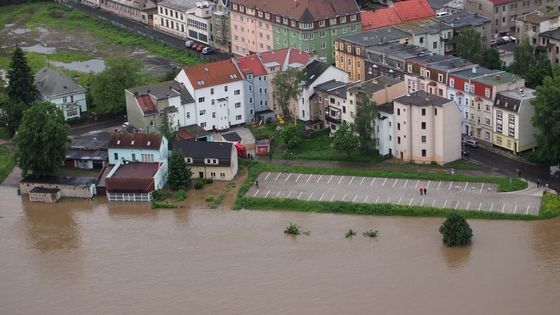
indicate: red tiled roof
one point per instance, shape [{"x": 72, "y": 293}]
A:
[
  {"x": 399, "y": 12},
  {"x": 285, "y": 56},
  {"x": 146, "y": 104},
  {"x": 278, "y": 55},
  {"x": 298, "y": 56},
  {"x": 251, "y": 65},
  {"x": 136, "y": 140},
  {"x": 304, "y": 10},
  {"x": 214, "y": 73}
]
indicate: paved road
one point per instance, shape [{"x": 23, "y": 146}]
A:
[
  {"x": 441, "y": 194},
  {"x": 101, "y": 125},
  {"x": 508, "y": 166},
  {"x": 147, "y": 31}
]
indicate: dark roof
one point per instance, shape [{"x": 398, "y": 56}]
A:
[
  {"x": 304, "y": 10},
  {"x": 438, "y": 4},
  {"x": 478, "y": 72},
  {"x": 421, "y": 98},
  {"x": 159, "y": 91},
  {"x": 313, "y": 70},
  {"x": 135, "y": 177},
  {"x": 388, "y": 108},
  {"x": 61, "y": 180},
  {"x": 179, "y": 5},
  {"x": 374, "y": 85},
  {"x": 554, "y": 34},
  {"x": 91, "y": 142},
  {"x": 136, "y": 140},
  {"x": 191, "y": 132},
  {"x": 430, "y": 58},
  {"x": 232, "y": 137},
  {"x": 463, "y": 19},
  {"x": 53, "y": 83},
  {"x": 513, "y": 100},
  {"x": 136, "y": 170},
  {"x": 376, "y": 36},
  {"x": 200, "y": 150},
  {"x": 43, "y": 190},
  {"x": 96, "y": 155},
  {"x": 333, "y": 87}
]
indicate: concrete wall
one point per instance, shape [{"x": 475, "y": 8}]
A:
[
  {"x": 85, "y": 191},
  {"x": 385, "y": 133}
]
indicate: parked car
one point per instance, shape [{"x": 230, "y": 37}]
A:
[
  {"x": 207, "y": 50},
  {"x": 125, "y": 124},
  {"x": 200, "y": 47},
  {"x": 464, "y": 151},
  {"x": 471, "y": 143},
  {"x": 188, "y": 43}
]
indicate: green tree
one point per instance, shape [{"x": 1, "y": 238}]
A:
[
  {"x": 166, "y": 130},
  {"x": 469, "y": 45},
  {"x": 21, "y": 89},
  {"x": 291, "y": 135},
  {"x": 523, "y": 58},
  {"x": 547, "y": 117},
  {"x": 40, "y": 140},
  {"x": 345, "y": 139},
  {"x": 107, "y": 88},
  {"x": 364, "y": 123},
  {"x": 536, "y": 74},
  {"x": 179, "y": 173},
  {"x": 288, "y": 86},
  {"x": 491, "y": 58},
  {"x": 456, "y": 231}
]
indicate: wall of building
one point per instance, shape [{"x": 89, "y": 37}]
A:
[
  {"x": 384, "y": 133},
  {"x": 85, "y": 191},
  {"x": 217, "y": 172},
  {"x": 256, "y": 96},
  {"x": 160, "y": 155},
  {"x": 72, "y": 105}
]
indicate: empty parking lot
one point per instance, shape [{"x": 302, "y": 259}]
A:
[{"x": 441, "y": 194}]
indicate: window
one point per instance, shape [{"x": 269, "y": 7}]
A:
[
  {"x": 213, "y": 114},
  {"x": 451, "y": 82},
  {"x": 423, "y": 153},
  {"x": 238, "y": 105},
  {"x": 422, "y": 40},
  {"x": 203, "y": 125},
  {"x": 201, "y": 99},
  {"x": 202, "y": 112},
  {"x": 238, "y": 117},
  {"x": 116, "y": 156},
  {"x": 466, "y": 87},
  {"x": 147, "y": 157},
  {"x": 73, "y": 111},
  {"x": 409, "y": 68},
  {"x": 435, "y": 111},
  {"x": 188, "y": 115},
  {"x": 213, "y": 174},
  {"x": 133, "y": 156},
  {"x": 332, "y": 21},
  {"x": 440, "y": 77},
  {"x": 423, "y": 139},
  {"x": 487, "y": 108},
  {"x": 423, "y": 125},
  {"x": 236, "y": 92},
  {"x": 222, "y": 175},
  {"x": 398, "y": 126},
  {"x": 188, "y": 160},
  {"x": 322, "y": 23},
  {"x": 226, "y": 88},
  {"x": 398, "y": 111},
  {"x": 344, "y": 109},
  {"x": 212, "y": 91},
  {"x": 423, "y": 112},
  {"x": 434, "y": 45},
  {"x": 398, "y": 140},
  {"x": 64, "y": 99}
]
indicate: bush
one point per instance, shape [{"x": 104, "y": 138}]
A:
[
  {"x": 159, "y": 195},
  {"x": 371, "y": 233},
  {"x": 209, "y": 180},
  {"x": 456, "y": 231},
  {"x": 180, "y": 195},
  {"x": 210, "y": 198},
  {"x": 163, "y": 205},
  {"x": 350, "y": 233},
  {"x": 292, "y": 229},
  {"x": 199, "y": 183}
]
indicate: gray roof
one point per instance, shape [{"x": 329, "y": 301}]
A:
[
  {"x": 480, "y": 71},
  {"x": 512, "y": 100},
  {"x": 138, "y": 4},
  {"x": 554, "y": 34},
  {"x": 179, "y": 5},
  {"x": 333, "y": 87},
  {"x": 97, "y": 155},
  {"x": 421, "y": 98},
  {"x": 438, "y": 4},
  {"x": 398, "y": 50},
  {"x": 430, "y": 58},
  {"x": 51, "y": 83},
  {"x": 61, "y": 180},
  {"x": 424, "y": 27},
  {"x": 313, "y": 70},
  {"x": 164, "y": 90},
  {"x": 388, "y": 108},
  {"x": 374, "y": 85},
  {"x": 463, "y": 19},
  {"x": 451, "y": 64},
  {"x": 376, "y": 36},
  {"x": 91, "y": 142},
  {"x": 232, "y": 137},
  {"x": 200, "y": 150}
]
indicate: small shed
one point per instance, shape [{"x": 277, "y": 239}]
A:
[
  {"x": 262, "y": 146},
  {"x": 42, "y": 194}
]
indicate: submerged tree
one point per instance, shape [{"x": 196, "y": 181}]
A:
[
  {"x": 288, "y": 86},
  {"x": 456, "y": 231},
  {"x": 179, "y": 173},
  {"x": 364, "y": 123},
  {"x": 41, "y": 140}
]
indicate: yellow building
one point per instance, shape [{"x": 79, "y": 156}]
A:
[{"x": 216, "y": 160}]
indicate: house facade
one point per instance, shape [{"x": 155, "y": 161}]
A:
[
  {"x": 427, "y": 129},
  {"x": 551, "y": 41},
  {"x": 138, "y": 10},
  {"x": 220, "y": 25},
  {"x": 309, "y": 25},
  {"x": 385, "y": 130},
  {"x": 186, "y": 19},
  {"x": 256, "y": 88},
  {"x": 512, "y": 114},
  {"x": 88, "y": 151},
  {"x": 138, "y": 147},
  {"x": 55, "y": 87},
  {"x": 464, "y": 20},
  {"x": 218, "y": 92},
  {"x": 530, "y": 26},
  {"x": 216, "y": 160}
]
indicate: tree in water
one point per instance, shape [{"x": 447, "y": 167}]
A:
[
  {"x": 179, "y": 173},
  {"x": 41, "y": 140},
  {"x": 547, "y": 117},
  {"x": 107, "y": 88},
  {"x": 456, "y": 231},
  {"x": 288, "y": 86},
  {"x": 345, "y": 139},
  {"x": 364, "y": 123},
  {"x": 21, "y": 89}
]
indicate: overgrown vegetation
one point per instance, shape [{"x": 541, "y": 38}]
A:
[
  {"x": 7, "y": 162},
  {"x": 371, "y": 233},
  {"x": 463, "y": 164},
  {"x": 162, "y": 199},
  {"x": 550, "y": 206},
  {"x": 292, "y": 229},
  {"x": 455, "y": 231},
  {"x": 350, "y": 233}
]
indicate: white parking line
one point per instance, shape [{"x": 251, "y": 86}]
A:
[
  {"x": 439, "y": 184},
  {"x": 411, "y": 199},
  {"x": 343, "y": 197},
  {"x": 479, "y": 206},
  {"x": 371, "y": 184},
  {"x": 351, "y": 180},
  {"x": 399, "y": 201},
  {"x": 417, "y": 182},
  {"x": 422, "y": 203},
  {"x": 376, "y": 200},
  {"x": 277, "y": 176},
  {"x": 456, "y": 205},
  {"x": 332, "y": 197},
  {"x": 362, "y": 182},
  {"x": 468, "y": 205},
  {"x": 298, "y": 177},
  {"x": 301, "y": 193},
  {"x": 256, "y": 192},
  {"x": 330, "y": 179},
  {"x": 481, "y": 187},
  {"x": 322, "y": 195},
  {"x": 310, "y": 197},
  {"x": 289, "y": 194},
  {"x": 515, "y": 211},
  {"x": 309, "y": 178},
  {"x": 428, "y": 184},
  {"x": 396, "y": 180},
  {"x": 389, "y": 199},
  {"x": 433, "y": 203},
  {"x": 268, "y": 192},
  {"x": 450, "y": 184},
  {"x": 491, "y": 207},
  {"x": 445, "y": 204},
  {"x": 288, "y": 177},
  {"x": 267, "y": 174},
  {"x": 503, "y": 206},
  {"x": 466, "y": 185},
  {"x": 384, "y": 182},
  {"x": 365, "y": 199},
  {"x": 277, "y": 194},
  {"x": 318, "y": 179},
  {"x": 527, "y": 212},
  {"x": 354, "y": 199},
  {"x": 340, "y": 180},
  {"x": 405, "y": 183}
]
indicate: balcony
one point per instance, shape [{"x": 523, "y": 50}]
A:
[{"x": 333, "y": 119}]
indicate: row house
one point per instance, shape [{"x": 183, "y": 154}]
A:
[
  {"x": 309, "y": 25},
  {"x": 427, "y": 128},
  {"x": 215, "y": 160},
  {"x": 530, "y": 26},
  {"x": 512, "y": 114},
  {"x": 256, "y": 88},
  {"x": 429, "y": 34},
  {"x": 350, "y": 51},
  {"x": 475, "y": 90},
  {"x": 390, "y": 59},
  {"x": 137, "y": 10},
  {"x": 551, "y": 42},
  {"x": 331, "y": 96},
  {"x": 503, "y": 13},
  {"x": 464, "y": 20},
  {"x": 218, "y": 92},
  {"x": 185, "y": 19}
]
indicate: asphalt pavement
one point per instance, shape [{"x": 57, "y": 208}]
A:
[{"x": 98, "y": 126}]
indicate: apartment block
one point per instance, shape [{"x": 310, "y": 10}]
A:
[
  {"x": 256, "y": 89},
  {"x": 220, "y": 25},
  {"x": 551, "y": 41},
  {"x": 529, "y": 26},
  {"x": 185, "y": 19}
]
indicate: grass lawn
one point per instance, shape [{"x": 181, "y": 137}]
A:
[
  {"x": 7, "y": 162},
  {"x": 4, "y": 133}
]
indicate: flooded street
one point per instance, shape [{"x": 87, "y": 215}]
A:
[{"x": 81, "y": 257}]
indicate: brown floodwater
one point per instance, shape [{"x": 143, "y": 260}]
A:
[{"x": 82, "y": 257}]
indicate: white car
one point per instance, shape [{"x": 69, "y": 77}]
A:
[
  {"x": 125, "y": 125},
  {"x": 471, "y": 143}
]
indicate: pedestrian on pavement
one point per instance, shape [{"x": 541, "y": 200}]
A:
[
  {"x": 425, "y": 191},
  {"x": 257, "y": 183},
  {"x": 421, "y": 191},
  {"x": 538, "y": 183}
]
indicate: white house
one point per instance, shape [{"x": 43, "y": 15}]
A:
[
  {"x": 186, "y": 19},
  {"x": 138, "y": 147},
  {"x": 57, "y": 88},
  {"x": 384, "y": 129},
  {"x": 135, "y": 181},
  {"x": 218, "y": 92}
]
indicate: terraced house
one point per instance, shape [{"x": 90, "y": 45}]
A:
[
  {"x": 137, "y": 10},
  {"x": 309, "y": 25}
]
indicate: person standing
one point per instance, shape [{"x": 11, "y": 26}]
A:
[
  {"x": 421, "y": 191},
  {"x": 425, "y": 191},
  {"x": 257, "y": 183},
  {"x": 538, "y": 183}
]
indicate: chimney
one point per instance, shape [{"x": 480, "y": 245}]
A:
[
  {"x": 498, "y": 77},
  {"x": 474, "y": 69},
  {"x": 148, "y": 91}
]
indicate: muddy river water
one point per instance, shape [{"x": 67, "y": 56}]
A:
[{"x": 82, "y": 257}]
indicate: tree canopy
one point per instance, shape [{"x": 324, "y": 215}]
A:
[
  {"x": 541, "y": 69},
  {"x": 291, "y": 135},
  {"x": 364, "y": 123},
  {"x": 547, "y": 117},
  {"x": 469, "y": 45},
  {"x": 21, "y": 89},
  {"x": 288, "y": 86},
  {"x": 523, "y": 58},
  {"x": 107, "y": 88},
  {"x": 40, "y": 140},
  {"x": 345, "y": 139},
  {"x": 456, "y": 231},
  {"x": 490, "y": 58},
  {"x": 179, "y": 173}
]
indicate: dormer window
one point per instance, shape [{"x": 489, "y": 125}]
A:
[
  {"x": 211, "y": 161},
  {"x": 149, "y": 142},
  {"x": 189, "y": 160},
  {"x": 118, "y": 141},
  {"x": 132, "y": 142}
]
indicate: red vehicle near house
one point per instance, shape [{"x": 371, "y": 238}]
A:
[{"x": 262, "y": 146}]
